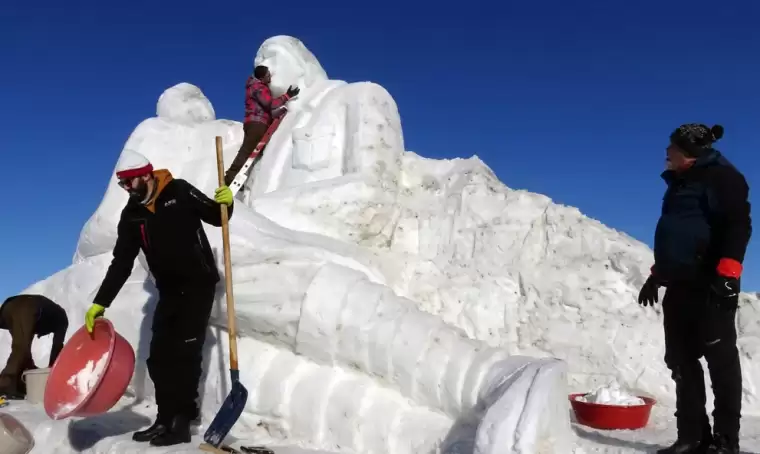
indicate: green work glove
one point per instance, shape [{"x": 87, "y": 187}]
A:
[
  {"x": 95, "y": 311},
  {"x": 223, "y": 195}
]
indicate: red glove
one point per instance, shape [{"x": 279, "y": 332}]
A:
[{"x": 729, "y": 268}]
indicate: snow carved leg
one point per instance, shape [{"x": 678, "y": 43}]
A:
[{"x": 349, "y": 320}]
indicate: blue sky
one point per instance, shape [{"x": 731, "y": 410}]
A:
[{"x": 575, "y": 102}]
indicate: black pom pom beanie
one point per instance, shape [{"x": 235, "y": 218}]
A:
[{"x": 696, "y": 139}]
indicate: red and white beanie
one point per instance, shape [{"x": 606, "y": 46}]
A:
[{"x": 132, "y": 164}]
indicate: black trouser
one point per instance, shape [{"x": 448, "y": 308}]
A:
[
  {"x": 176, "y": 348},
  {"x": 254, "y": 131},
  {"x": 19, "y": 316},
  {"x": 694, "y": 327}
]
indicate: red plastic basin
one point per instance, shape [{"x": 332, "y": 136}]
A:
[
  {"x": 63, "y": 399},
  {"x": 612, "y": 417}
]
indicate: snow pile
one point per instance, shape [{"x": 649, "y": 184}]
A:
[
  {"x": 611, "y": 394},
  {"x": 387, "y": 302},
  {"x": 83, "y": 381}
]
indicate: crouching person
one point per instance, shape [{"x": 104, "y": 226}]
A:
[
  {"x": 163, "y": 217},
  {"x": 26, "y": 316}
]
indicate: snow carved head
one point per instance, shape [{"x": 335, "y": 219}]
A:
[
  {"x": 185, "y": 103},
  {"x": 290, "y": 63}
]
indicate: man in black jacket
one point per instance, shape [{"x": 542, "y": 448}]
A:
[
  {"x": 699, "y": 247},
  {"x": 163, "y": 218},
  {"x": 24, "y": 316}
]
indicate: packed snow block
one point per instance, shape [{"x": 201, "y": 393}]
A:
[
  {"x": 432, "y": 370},
  {"x": 346, "y": 403},
  {"x": 382, "y": 330},
  {"x": 418, "y": 433},
  {"x": 272, "y": 298},
  {"x": 482, "y": 363},
  {"x": 461, "y": 356},
  {"x": 320, "y": 312},
  {"x": 403, "y": 342},
  {"x": 406, "y": 233},
  {"x": 316, "y": 145},
  {"x": 409, "y": 345},
  {"x": 308, "y": 401},
  {"x": 521, "y": 408},
  {"x": 277, "y": 383},
  {"x": 353, "y": 338},
  {"x": 376, "y": 141},
  {"x": 376, "y": 420},
  {"x": 252, "y": 374},
  {"x": 527, "y": 413}
]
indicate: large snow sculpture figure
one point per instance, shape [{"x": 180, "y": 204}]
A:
[
  {"x": 179, "y": 137},
  {"x": 338, "y": 139},
  {"x": 332, "y": 355},
  {"x": 510, "y": 268}
]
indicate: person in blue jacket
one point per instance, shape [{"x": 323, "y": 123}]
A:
[{"x": 699, "y": 247}]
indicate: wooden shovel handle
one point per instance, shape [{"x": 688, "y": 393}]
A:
[{"x": 231, "y": 329}]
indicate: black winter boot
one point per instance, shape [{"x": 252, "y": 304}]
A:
[
  {"x": 179, "y": 432},
  {"x": 723, "y": 445},
  {"x": 685, "y": 447},
  {"x": 691, "y": 447},
  {"x": 150, "y": 433}
]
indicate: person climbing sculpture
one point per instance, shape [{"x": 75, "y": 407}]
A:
[
  {"x": 163, "y": 218},
  {"x": 24, "y": 316},
  {"x": 699, "y": 247},
  {"x": 260, "y": 110}
]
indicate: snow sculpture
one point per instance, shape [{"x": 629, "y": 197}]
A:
[
  {"x": 333, "y": 357},
  {"x": 509, "y": 267},
  {"x": 185, "y": 103}
]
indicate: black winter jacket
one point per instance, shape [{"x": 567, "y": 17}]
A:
[
  {"x": 705, "y": 218},
  {"x": 171, "y": 236}
]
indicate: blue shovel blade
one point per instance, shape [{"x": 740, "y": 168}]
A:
[{"x": 227, "y": 416}]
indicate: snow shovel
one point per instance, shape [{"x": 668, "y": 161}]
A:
[{"x": 235, "y": 402}]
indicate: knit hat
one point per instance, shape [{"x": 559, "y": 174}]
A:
[
  {"x": 696, "y": 139},
  {"x": 132, "y": 164}
]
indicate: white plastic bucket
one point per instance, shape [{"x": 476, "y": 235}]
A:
[
  {"x": 36, "y": 380},
  {"x": 14, "y": 437}
]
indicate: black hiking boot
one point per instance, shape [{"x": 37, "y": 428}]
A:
[
  {"x": 195, "y": 417},
  {"x": 11, "y": 394},
  {"x": 686, "y": 447},
  {"x": 150, "y": 433},
  {"x": 179, "y": 432},
  {"x": 723, "y": 445}
]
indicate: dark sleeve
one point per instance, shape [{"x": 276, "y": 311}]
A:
[
  {"x": 730, "y": 213},
  {"x": 207, "y": 209},
  {"x": 124, "y": 254},
  {"x": 59, "y": 333}
]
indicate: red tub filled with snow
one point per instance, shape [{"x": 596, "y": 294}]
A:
[
  {"x": 91, "y": 373},
  {"x": 610, "y": 408}
]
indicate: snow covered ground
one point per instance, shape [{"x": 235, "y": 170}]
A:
[
  {"x": 111, "y": 433},
  {"x": 382, "y": 296}
]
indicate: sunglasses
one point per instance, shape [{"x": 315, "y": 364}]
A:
[{"x": 126, "y": 183}]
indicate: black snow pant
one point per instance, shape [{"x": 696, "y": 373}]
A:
[
  {"x": 254, "y": 131},
  {"x": 20, "y": 316},
  {"x": 175, "y": 361},
  {"x": 694, "y": 327}
]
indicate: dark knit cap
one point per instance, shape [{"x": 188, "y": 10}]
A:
[{"x": 696, "y": 139}]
